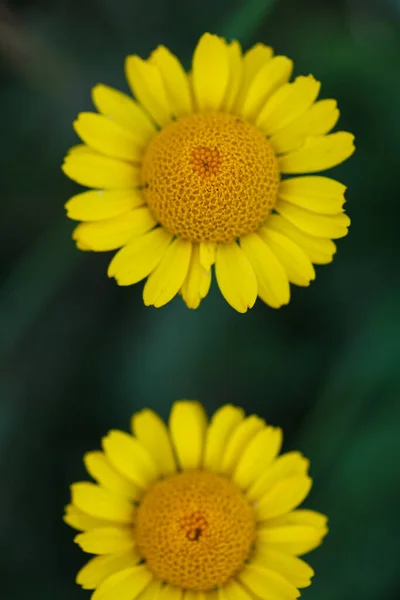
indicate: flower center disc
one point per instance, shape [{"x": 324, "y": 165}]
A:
[
  {"x": 195, "y": 530},
  {"x": 210, "y": 177}
]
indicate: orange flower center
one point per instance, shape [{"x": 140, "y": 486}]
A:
[
  {"x": 210, "y": 177},
  {"x": 195, "y": 530}
]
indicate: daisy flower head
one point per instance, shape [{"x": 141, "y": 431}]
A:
[
  {"x": 195, "y": 510},
  {"x": 212, "y": 169}
]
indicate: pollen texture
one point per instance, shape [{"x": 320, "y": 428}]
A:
[
  {"x": 195, "y": 530},
  {"x": 210, "y": 177}
]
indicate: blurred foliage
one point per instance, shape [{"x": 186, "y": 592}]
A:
[{"x": 79, "y": 355}]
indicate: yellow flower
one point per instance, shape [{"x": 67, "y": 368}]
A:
[
  {"x": 195, "y": 511},
  {"x": 190, "y": 175}
]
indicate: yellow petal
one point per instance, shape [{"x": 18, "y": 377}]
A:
[
  {"x": 283, "y": 497},
  {"x": 167, "y": 278},
  {"x": 223, "y": 422},
  {"x": 121, "y": 109},
  {"x": 175, "y": 81},
  {"x": 255, "y": 58},
  {"x": 235, "y": 75},
  {"x": 101, "y": 470},
  {"x": 146, "y": 83},
  {"x": 100, "y": 503},
  {"x": 97, "y": 569},
  {"x": 290, "y": 101},
  {"x": 111, "y": 234},
  {"x": 304, "y": 516},
  {"x": 106, "y": 541},
  {"x": 232, "y": 590},
  {"x": 152, "y": 591},
  {"x": 81, "y": 521},
  {"x": 325, "y": 226},
  {"x": 291, "y": 539},
  {"x": 319, "y": 119},
  {"x": 98, "y": 171},
  {"x": 267, "y": 584},
  {"x": 270, "y": 77},
  {"x": 188, "y": 424},
  {"x": 107, "y": 137},
  {"x": 239, "y": 441},
  {"x": 96, "y": 205},
  {"x": 130, "y": 458},
  {"x": 318, "y": 153},
  {"x": 197, "y": 282},
  {"x": 319, "y": 250},
  {"x": 170, "y": 592},
  {"x": 293, "y": 259},
  {"x": 260, "y": 452},
  {"x": 316, "y": 194},
  {"x": 210, "y": 72},
  {"x": 235, "y": 277},
  {"x": 124, "y": 585},
  {"x": 296, "y": 571},
  {"x": 287, "y": 465},
  {"x": 273, "y": 283},
  {"x": 139, "y": 257},
  {"x": 208, "y": 251},
  {"x": 152, "y": 433}
]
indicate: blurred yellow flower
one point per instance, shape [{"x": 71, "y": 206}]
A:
[
  {"x": 190, "y": 175},
  {"x": 195, "y": 511}
]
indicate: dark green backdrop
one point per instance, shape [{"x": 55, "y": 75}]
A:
[{"x": 78, "y": 355}]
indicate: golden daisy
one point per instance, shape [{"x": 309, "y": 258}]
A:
[
  {"x": 195, "y": 511},
  {"x": 192, "y": 174}
]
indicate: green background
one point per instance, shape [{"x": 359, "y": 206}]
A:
[{"x": 78, "y": 355}]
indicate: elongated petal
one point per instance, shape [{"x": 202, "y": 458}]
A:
[
  {"x": 326, "y": 226},
  {"x": 197, "y": 282},
  {"x": 208, "y": 251},
  {"x": 283, "y": 497},
  {"x": 293, "y": 259},
  {"x": 101, "y": 470},
  {"x": 167, "y": 278},
  {"x": 210, "y": 74},
  {"x": 100, "y": 503},
  {"x": 233, "y": 590},
  {"x": 188, "y": 424},
  {"x": 111, "y": 234},
  {"x": 295, "y": 570},
  {"x": 130, "y": 458},
  {"x": 97, "y": 205},
  {"x": 267, "y": 584},
  {"x": 273, "y": 283},
  {"x": 152, "y": 433},
  {"x": 260, "y": 452},
  {"x": 175, "y": 81},
  {"x": 107, "y": 137},
  {"x": 270, "y": 77},
  {"x": 290, "y": 101},
  {"x": 139, "y": 257},
  {"x": 97, "y": 171},
  {"x": 253, "y": 60},
  {"x": 319, "y": 119},
  {"x": 238, "y": 442},
  {"x": 146, "y": 83},
  {"x": 316, "y": 194},
  {"x": 124, "y": 585},
  {"x": 97, "y": 569},
  {"x": 318, "y": 153},
  {"x": 235, "y": 277},
  {"x": 319, "y": 250},
  {"x": 223, "y": 422},
  {"x": 303, "y": 516},
  {"x": 235, "y": 75},
  {"x": 287, "y": 465},
  {"x": 81, "y": 521},
  {"x": 292, "y": 539},
  {"x": 121, "y": 109},
  {"x": 170, "y": 592},
  {"x": 106, "y": 541}
]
